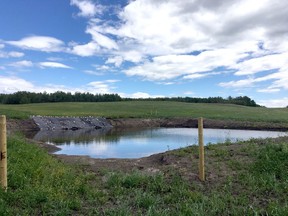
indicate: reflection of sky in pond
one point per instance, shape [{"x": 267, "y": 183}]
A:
[{"x": 140, "y": 143}]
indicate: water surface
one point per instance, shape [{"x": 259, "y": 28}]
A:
[{"x": 139, "y": 143}]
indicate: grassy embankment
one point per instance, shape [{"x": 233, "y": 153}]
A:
[
  {"x": 149, "y": 109},
  {"x": 249, "y": 179}
]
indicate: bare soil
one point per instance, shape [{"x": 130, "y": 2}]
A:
[
  {"x": 21, "y": 125},
  {"x": 193, "y": 123},
  {"x": 29, "y": 124},
  {"x": 184, "y": 163}
]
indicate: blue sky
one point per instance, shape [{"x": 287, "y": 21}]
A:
[{"x": 147, "y": 48}]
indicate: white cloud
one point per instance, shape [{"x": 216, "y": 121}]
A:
[
  {"x": 227, "y": 36},
  {"x": 11, "y": 84},
  {"x": 96, "y": 73},
  {"x": 25, "y": 64},
  {"x": 283, "y": 102},
  {"x": 269, "y": 90},
  {"x": 112, "y": 81},
  {"x": 13, "y": 54},
  {"x": 279, "y": 80},
  {"x": 172, "y": 66},
  {"x": 157, "y": 30},
  {"x": 50, "y": 88},
  {"x": 116, "y": 60},
  {"x": 101, "y": 39},
  {"x": 54, "y": 59},
  {"x": 99, "y": 70},
  {"x": 54, "y": 65},
  {"x": 211, "y": 25},
  {"x": 200, "y": 75},
  {"x": 262, "y": 63},
  {"x": 99, "y": 44},
  {"x": 85, "y": 50},
  {"x": 196, "y": 76},
  {"x": 14, "y": 84},
  {"x": 39, "y": 43},
  {"x": 189, "y": 93},
  {"x": 165, "y": 83},
  {"x": 21, "y": 64},
  {"x": 103, "y": 87},
  {"x": 87, "y": 8},
  {"x": 102, "y": 67},
  {"x": 132, "y": 56},
  {"x": 238, "y": 84},
  {"x": 280, "y": 83},
  {"x": 139, "y": 95}
]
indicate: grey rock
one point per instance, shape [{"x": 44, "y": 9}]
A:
[{"x": 70, "y": 123}]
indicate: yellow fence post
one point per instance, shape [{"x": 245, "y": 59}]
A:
[
  {"x": 201, "y": 150},
  {"x": 3, "y": 152}
]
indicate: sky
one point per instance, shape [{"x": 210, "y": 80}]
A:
[{"x": 147, "y": 48}]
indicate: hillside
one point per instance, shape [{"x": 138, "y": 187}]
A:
[{"x": 148, "y": 109}]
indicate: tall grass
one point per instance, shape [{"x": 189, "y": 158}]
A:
[{"x": 40, "y": 185}]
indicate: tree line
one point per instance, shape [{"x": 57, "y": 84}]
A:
[
  {"x": 24, "y": 97},
  {"x": 241, "y": 100}
]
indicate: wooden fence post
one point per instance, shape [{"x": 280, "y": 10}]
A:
[
  {"x": 3, "y": 152},
  {"x": 201, "y": 150}
]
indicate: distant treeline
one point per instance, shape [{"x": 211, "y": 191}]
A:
[
  {"x": 23, "y": 97},
  {"x": 241, "y": 100}
]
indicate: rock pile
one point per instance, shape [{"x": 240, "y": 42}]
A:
[{"x": 70, "y": 123}]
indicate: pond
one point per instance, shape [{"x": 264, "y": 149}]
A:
[{"x": 111, "y": 143}]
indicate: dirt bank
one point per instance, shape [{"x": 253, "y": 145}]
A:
[
  {"x": 193, "y": 123},
  {"x": 21, "y": 125},
  {"x": 29, "y": 124}
]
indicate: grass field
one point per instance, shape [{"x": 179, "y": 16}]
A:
[
  {"x": 148, "y": 109},
  {"x": 251, "y": 179}
]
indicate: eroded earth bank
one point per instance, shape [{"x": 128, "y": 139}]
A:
[{"x": 70, "y": 123}]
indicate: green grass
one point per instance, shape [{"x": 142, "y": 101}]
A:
[
  {"x": 40, "y": 185},
  {"x": 149, "y": 109},
  {"x": 14, "y": 113},
  {"x": 250, "y": 178}
]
